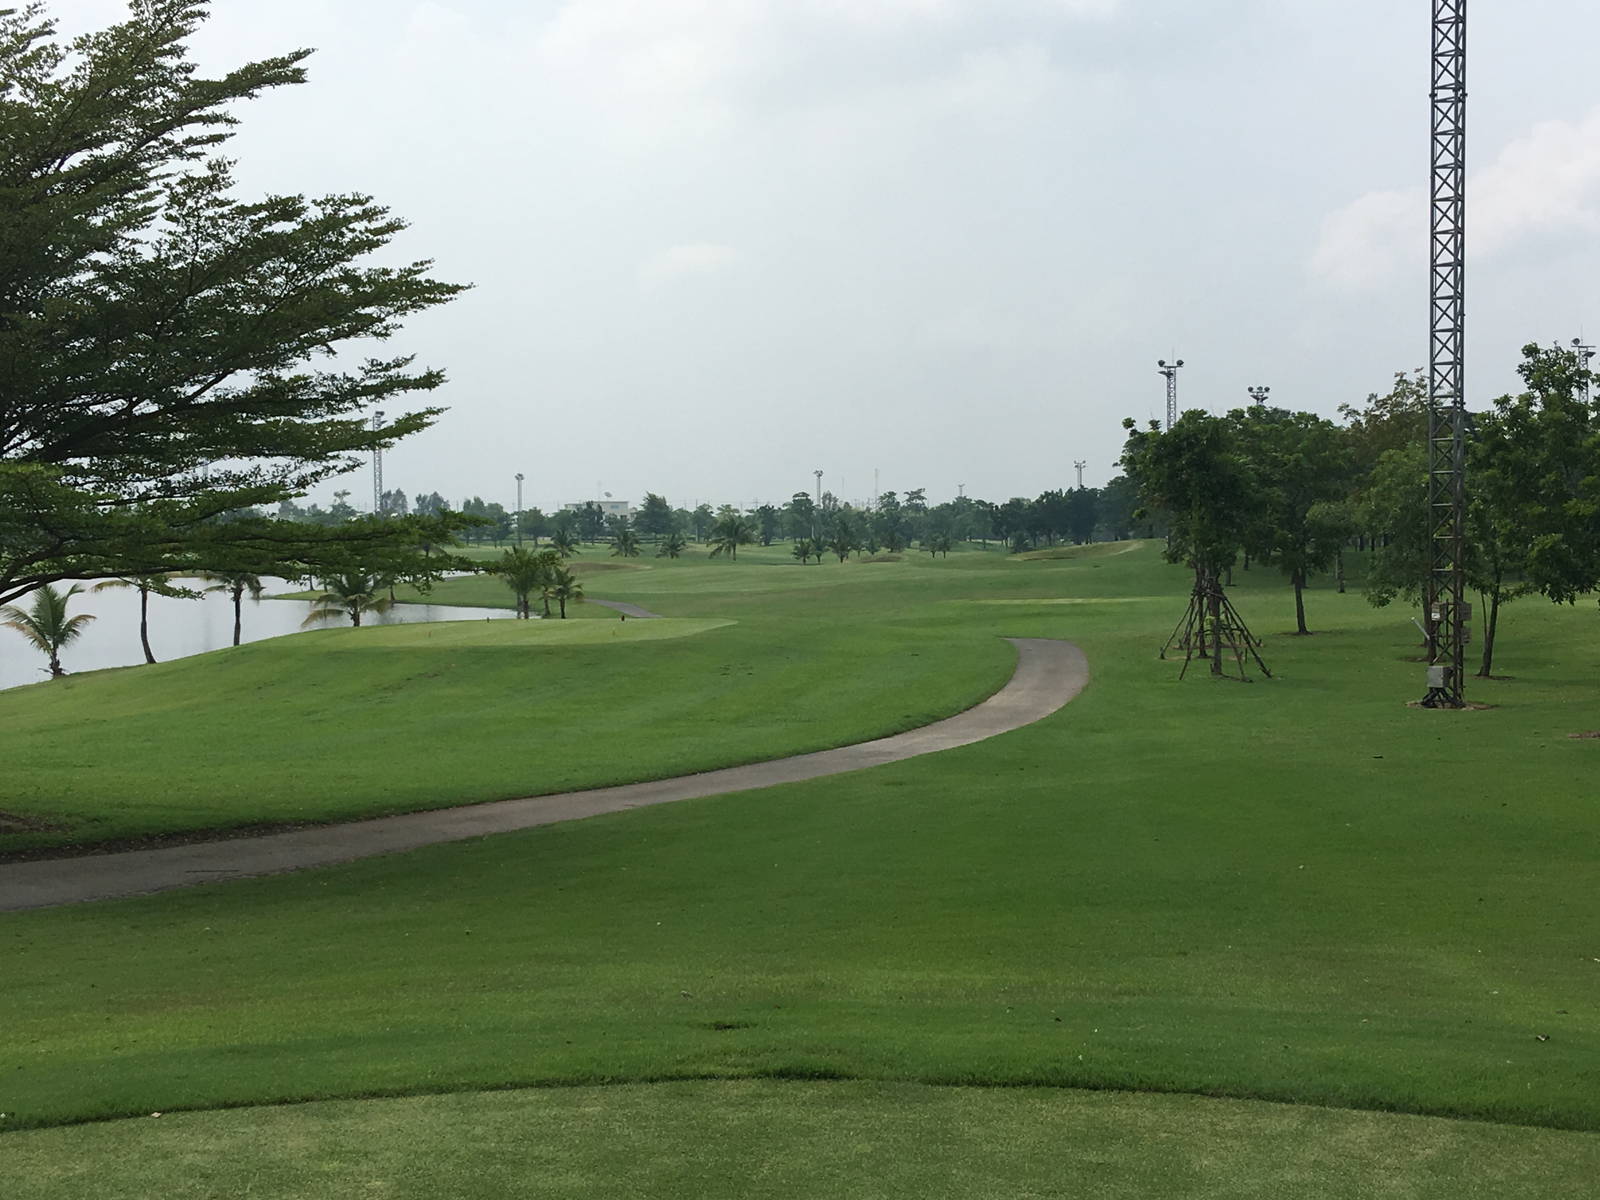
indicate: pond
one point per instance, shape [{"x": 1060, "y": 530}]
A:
[{"x": 179, "y": 628}]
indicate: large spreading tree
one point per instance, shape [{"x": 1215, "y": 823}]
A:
[{"x": 174, "y": 357}]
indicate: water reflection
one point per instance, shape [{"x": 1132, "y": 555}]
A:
[{"x": 179, "y": 628}]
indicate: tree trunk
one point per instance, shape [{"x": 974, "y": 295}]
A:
[
  {"x": 144, "y": 624},
  {"x": 1338, "y": 571},
  {"x": 1299, "y": 578},
  {"x": 1493, "y": 596},
  {"x": 562, "y": 600},
  {"x": 238, "y": 611},
  {"x": 355, "y": 618},
  {"x": 1214, "y": 604},
  {"x": 1203, "y": 594},
  {"x": 56, "y": 671}
]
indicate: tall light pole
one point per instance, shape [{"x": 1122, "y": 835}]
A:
[
  {"x": 816, "y": 512},
  {"x": 1258, "y": 395},
  {"x": 1170, "y": 370},
  {"x": 1078, "y": 466},
  {"x": 377, "y": 467},
  {"x": 519, "y": 508}
]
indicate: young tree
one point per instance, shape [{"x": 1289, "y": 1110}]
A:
[
  {"x": 844, "y": 538},
  {"x": 1195, "y": 473},
  {"x": 160, "y": 585},
  {"x": 565, "y": 588},
  {"x": 564, "y": 543},
  {"x": 349, "y": 594},
  {"x": 672, "y": 545},
  {"x": 162, "y": 351},
  {"x": 625, "y": 543},
  {"x": 524, "y": 571},
  {"x": 729, "y": 533},
  {"x": 236, "y": 584},
  {"x": 45, "y": 623}
]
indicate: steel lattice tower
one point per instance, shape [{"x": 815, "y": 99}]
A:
[
  {"x": 1447, "y": 414},
  {"x": 1170, "y": 370},
  {"x": 377, "y": 468}
]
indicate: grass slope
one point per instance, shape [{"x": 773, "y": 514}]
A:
[
  {"x": 357, "y": 722},
  {"x": 1299, "y": 890},
  {"x": 704, "y": 1141}
]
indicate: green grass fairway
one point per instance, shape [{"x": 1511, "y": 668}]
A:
[
  {"x": 346, "y": 723},
  {"x": 786, "y": 1141},
  {"x": 1299, "y": 891}
]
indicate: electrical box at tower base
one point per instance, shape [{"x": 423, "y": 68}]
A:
[{"x": 1438, "y": 676}]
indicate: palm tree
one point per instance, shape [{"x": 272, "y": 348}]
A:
[
  {"x": 161, "y": 585},
  {"x": 564, "y": 543},
  {"x": 236, "y": 584},
  {"x": 348, "y": 595},
  {"x": 804, "y": 548},
  {"x": 672, "y": 545},
  {"x": 523, "y": 570},
  {"x": 564, "y": 586},
  {"x": 46, "y": 625},
  {"x": 842, "y": 543},
  {"x": 626, "y": 544},
  {"x": 731, "y": 532}
]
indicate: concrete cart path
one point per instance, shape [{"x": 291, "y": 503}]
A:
[{"x": 1049, "y": 674}]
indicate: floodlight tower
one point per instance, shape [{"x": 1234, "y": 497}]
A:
[
  {"x": 1258, "y": 395},
  {"x": 1447, "y": 414},
  {"x": 1170, "y": 370},
  {"x": 377, "y": 467},
  {"x": 1584, "y": 353},
  {"x": 1078, "y": 466}
]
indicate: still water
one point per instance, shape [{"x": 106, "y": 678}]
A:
[{"x": 179, "y": 628}]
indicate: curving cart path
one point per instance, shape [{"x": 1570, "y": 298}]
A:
[{"x": 1049, "y": 673}]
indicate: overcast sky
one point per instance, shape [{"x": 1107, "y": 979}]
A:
[{"x": 719, "y": 244}]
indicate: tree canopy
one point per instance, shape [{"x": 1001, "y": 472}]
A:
[{"x": 171, "y": 354}]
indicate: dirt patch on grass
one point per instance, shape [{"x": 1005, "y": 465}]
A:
[
  {"x": 1587, "y": 735},
  {"x": 16, "y": 823}
]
